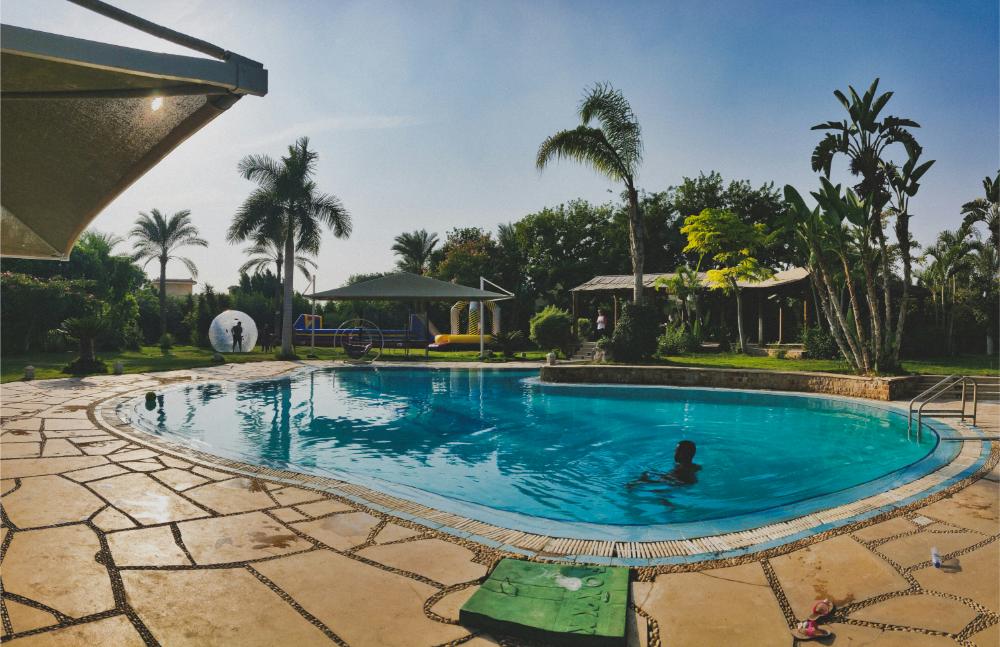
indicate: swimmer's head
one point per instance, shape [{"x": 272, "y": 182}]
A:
[{"x": 684, "y": 453}]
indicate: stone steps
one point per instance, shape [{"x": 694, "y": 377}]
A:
[{"x": 585, "y": 352}]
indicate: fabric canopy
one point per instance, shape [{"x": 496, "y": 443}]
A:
[
  {"x": 614, "y": 282},
  {"x": 82, "y": 120},
  {"x": 407, "y": 287}
]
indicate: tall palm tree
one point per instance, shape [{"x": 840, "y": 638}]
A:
[
  {"x": 414, "y": 250},
  {"x": 986, "y": 210},
  {"x": 158, "y": 237},
  {"x": 286, "y": 202},
  {"x": 613, "y": 149}
]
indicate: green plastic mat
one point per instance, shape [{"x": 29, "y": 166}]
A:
[{"x": 552, "y": 603}]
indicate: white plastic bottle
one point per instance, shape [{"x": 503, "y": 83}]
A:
[{"x": 935, "y": 557}]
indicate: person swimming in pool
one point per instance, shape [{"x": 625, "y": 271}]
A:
[{"x": 685, "y": 471}]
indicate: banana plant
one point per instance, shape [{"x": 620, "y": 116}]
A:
[{"x": 866, "y": 138}]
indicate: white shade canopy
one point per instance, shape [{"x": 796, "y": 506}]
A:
[{"x": 81, "y": 121}]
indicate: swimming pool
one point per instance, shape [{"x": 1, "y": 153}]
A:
[{"x": 494, "y": 443}]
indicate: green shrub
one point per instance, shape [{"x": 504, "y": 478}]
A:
[
  {"x": 166, "y": 343},
  {"x": 819, "y": 343},
  {"x": 584, "y": 327},
  {"x": 507, "y": 342},
  {"x": 636, "y": 333},
  {"x": 552, "y": 329},
  {"x": 677, "y": 340}
]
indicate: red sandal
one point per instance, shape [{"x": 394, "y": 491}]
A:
[
  {"x": 821, "y": 609},
  {"x": 809, "y": 630}
]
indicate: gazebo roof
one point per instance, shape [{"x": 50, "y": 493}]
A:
[
  {"x": 404, "y": 286},
  {"x": 615, "y": 282},
  {"x": 83, "y": 120}
]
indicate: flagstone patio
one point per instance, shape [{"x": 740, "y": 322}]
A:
[{"x": 106, "y": 542}]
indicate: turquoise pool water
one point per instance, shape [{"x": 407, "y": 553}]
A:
[{"x": 565, "y": 453}]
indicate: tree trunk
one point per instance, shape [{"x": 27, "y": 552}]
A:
[
  {"x": 821, "y": 302},
  {"x": 872, "y": 351},
  {"x": 87, "y": 353},
  {"x": 885, "y": 351},
  {"x": 903, "y": 239},
  {"x": 950, "y": 317},
  {"x": 286, "y": 322},
  {"x": 861, "y": 339},
  {"x": 635, "y": 234},
  {"x": 163, "y": 296},
  {"x": 278, "y": 289},
  {"x": 739, "y": 319},
  {"x": 839, "y": 324}
]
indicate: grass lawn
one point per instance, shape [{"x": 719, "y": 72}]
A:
[
  {"x": 50, "y": 365},
  {"x": 965, "y": 364}
]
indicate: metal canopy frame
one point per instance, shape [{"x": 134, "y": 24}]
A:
[
  {"x": 236, "y": 74},
  {"x": 61, "y": 71}
]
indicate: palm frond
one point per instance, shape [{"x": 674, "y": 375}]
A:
[
  {"x": 189, "y": 264},
  {"x": 586, "y": 145},
  {"x": 617, "y": 121}
]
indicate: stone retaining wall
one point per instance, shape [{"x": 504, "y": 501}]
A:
[{"x": 873, "y": 388}]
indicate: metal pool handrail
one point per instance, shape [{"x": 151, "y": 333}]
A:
[{"x": 936, "y": 391}]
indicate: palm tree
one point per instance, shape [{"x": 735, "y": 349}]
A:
[
  {"x": 950, "y": 256},
  {"x": 414, "y": 250},
  {"x": 614, "y": 149},
  {"x": 986, "y": 210},
  {"x": 864, "y": 138},
  {"x": 985, "y": 264},
  {"x": 268, "y": 250},
  {"x": 157, "y": 237},
  {"x": 100, "y": 242},
  {"x": 287, "y": 205}
]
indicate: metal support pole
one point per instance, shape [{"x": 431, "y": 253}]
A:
[
  {"x": 482, "y": 321},
  {"x": 781, "y": 323},
  {"x": 312, "y": 328}
]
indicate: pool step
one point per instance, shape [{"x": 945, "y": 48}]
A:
[{"x": 987, "y": 387}]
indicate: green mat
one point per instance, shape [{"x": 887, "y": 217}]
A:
[{"x": 552, "y": 603}]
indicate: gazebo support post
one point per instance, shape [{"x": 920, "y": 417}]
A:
[
  {"x": 427, "y": 330},
  {"x": 781, "y": 323},
  {"x": 576, "y": 329},
  {"x": 760, "y": 319}
]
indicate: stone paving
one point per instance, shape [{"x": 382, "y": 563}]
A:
[{"x": 106, "y": 542}]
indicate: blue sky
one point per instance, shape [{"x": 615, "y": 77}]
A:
[{"x": 428, "y": 114}]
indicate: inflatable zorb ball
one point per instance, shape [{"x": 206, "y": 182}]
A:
[{"x": 233, "y": 332}]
